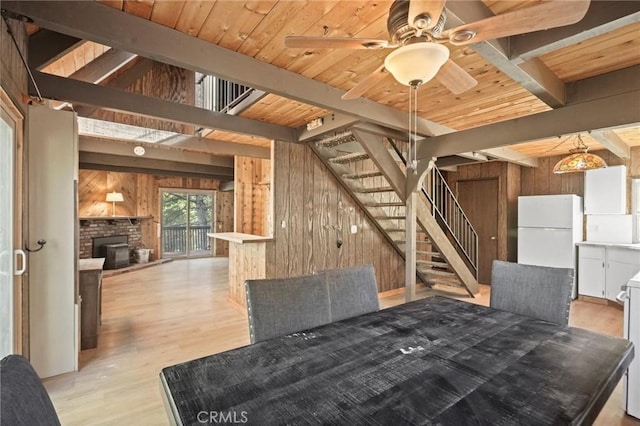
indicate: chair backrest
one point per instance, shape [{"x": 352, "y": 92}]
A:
[
  {"x": 23, "y": 399},
  {"x": 536, "y": 291},
  {"x": 353, "y": 291},
  {"x": 283, "y": 306}
]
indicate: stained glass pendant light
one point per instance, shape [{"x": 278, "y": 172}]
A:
[{"x": 579, "y": 160}]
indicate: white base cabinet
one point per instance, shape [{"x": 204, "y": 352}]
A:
[{"x": 604, "y": 268}]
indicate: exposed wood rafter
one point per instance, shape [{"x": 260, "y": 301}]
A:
[
  {"x": 65, "y": 89},
  {"x": 47, "y": 46},
  {"x": 612, "y": 142},
  {"x": 153, "y": 151},
  {"x": 615, "y": 111},
  {"x": 102, "y": 24},
  {"x": 602, "y": 17},
  {"x": 117, "y": 163}
]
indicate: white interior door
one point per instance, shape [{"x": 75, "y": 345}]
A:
[
  {"x": 7, "y": 141},
  {"x": 53, "y": 173}
]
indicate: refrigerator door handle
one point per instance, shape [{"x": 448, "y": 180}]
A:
[{"x": 622, "y": 296}]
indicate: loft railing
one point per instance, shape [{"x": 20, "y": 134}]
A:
[
  {"x": 216, "y": 94},
  {"x": 445, "y": 205}
]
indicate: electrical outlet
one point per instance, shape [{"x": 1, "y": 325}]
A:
[
  {"x": 354, "y": 229},
  {"x": 283, "y": 224}
]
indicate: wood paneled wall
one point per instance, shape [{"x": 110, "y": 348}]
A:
[
  {"x": 13, "y": 75},
  {"x": 509, "y": 176},
  {"x": 312, "y": 213},
  {"x": 224, "y": 221},
  {"x": 164, "y": 82},
  {"x": 141, "y": 198},
  {"x": 252, "y": 187},
  {"x": 542, "y": 181}
]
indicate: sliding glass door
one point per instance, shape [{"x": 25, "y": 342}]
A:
[{"x": 187, "y": 217}]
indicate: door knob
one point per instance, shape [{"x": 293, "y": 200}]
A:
[{"x": 493, "y": 238}]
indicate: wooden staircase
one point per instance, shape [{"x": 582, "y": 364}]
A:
[{"x": 379, "y": 192}]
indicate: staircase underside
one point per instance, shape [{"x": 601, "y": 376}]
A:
[{"x": 376, "y": 185}]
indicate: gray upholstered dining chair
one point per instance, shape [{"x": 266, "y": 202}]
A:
[
  {"x": 282, "y": 306},
  {"x": 23, "y": 399},
  {"x": 353, "y": 291},
  {"x": 535, "y": 291}
]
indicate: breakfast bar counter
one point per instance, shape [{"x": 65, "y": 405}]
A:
[{"x": 247, "y": 260}]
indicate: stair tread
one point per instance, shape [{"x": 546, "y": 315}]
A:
[
  {"x": 374, "y": 189},
  {"x": 389, "y": 217},
  {"x": 429, "y": 271},
  {"x": 428, "y": 253},
  {"x": 386, "y": 204},
  {"x": 354, "y": 156},
  {"x": 433, "y": 263},
  {"x": 456, "y": 284},
  {"x": 330, "y": 143},
  {"x": 361, "y": 175}
]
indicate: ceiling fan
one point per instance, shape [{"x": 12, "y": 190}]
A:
[{"x": 417, "y": 32}]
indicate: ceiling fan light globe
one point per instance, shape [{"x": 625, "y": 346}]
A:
[{"x": 418, "y": 61}]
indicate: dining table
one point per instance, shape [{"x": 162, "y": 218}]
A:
[{"x": 436, "y": 360}]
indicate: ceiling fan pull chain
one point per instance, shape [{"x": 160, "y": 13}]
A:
[{"x": 412, "y": 163}]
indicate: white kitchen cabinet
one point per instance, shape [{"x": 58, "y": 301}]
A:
[
  {"x": 622, "y": 265},
  {"x": 605, "y": 190},
  {"x": 604, "y": 268},
  {"x": 591, "y": 271}
]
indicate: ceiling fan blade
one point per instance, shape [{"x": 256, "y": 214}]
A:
[
  {"x": 335, "y": 42},
  {"x": 551, "y": 14},
  {"x": 454, "y": 78},
  {"x": 419, "y": 8},
  {"x": 370, "y": 81}
]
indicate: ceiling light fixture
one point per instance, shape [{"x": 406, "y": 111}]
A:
[
  {"x": 579, "y": 160},
  {"x": 414, "y": 65}
]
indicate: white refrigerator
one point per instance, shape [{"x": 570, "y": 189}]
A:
[
  {"x": 549, "y": 226},
  {"x": 631, "y": 298}
]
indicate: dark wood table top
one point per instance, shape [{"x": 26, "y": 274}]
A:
[{"x": 432, "y": 361}]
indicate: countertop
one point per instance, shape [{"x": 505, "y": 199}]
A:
[
  {"x": 240, "y": 238},
  {"x": 618, "y": 245},
  {"x": 94, "y": 264}
]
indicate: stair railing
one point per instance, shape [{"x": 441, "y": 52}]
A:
[{"x": 445, "y": 205}]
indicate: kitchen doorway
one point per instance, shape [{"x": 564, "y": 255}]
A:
[
  {"x": 479, "y": 200},
  {"x": 187, "y": 218}
]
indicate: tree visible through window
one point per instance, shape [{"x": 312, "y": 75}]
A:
[{"x": 186, "y": 219}]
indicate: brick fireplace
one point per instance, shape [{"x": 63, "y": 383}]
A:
[{"x": 107, "y": 227}]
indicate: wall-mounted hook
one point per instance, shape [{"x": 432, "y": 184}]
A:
[{"x": 41, "y": 243}]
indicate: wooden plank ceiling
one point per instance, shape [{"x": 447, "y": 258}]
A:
[{"x": 257, "y": 29}]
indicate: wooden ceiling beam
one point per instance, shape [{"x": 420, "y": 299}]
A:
[
  {"x": 153, "y": 151},
  {"x": 46, "y": 47},
  {"x": 102, "y": 24},
  {"x": 534, "y": 76},
  {"x": 118, "y": 163},
  {"x": 508, "y": 154},
  {"x": 217, "y": 147},
  {"x": 602, "y": 17},
  {"x": 103, "y": 66},
  {"x": 610, "y": 112},
  {"x": 78, "y": 92},
  {"x": 122, "y": 81},
  {"x": 612, "y": 142}
]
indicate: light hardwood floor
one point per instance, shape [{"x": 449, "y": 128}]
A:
[{"x": 179, "y": 311}]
